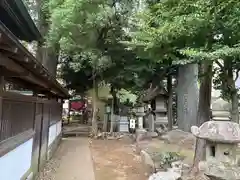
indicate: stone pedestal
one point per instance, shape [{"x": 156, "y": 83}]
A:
[
  {"x": 151, "y": 122},
  {"x": 220, "y": 115},
  {"x": 140, "y": 113},
  {"x": 221, "y": 110},
  {"x": 123, "y": 124},
  {"x": 216, "y": 170},
  {"x": 161, "y": 113},
  {"x": 140, "y": 122}
]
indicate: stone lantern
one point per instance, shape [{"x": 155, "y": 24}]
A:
[
  {"x": 140, "y": 113},
  {"x": 157, "y": 117},
  {"x": 220, "y": 110},
  {"x": 222, "y": 138}
]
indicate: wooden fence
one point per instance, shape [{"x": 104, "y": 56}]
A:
[{"x": 18, "y": 113}]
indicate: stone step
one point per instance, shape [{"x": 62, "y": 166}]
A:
[{"x": 70, "y": 134}]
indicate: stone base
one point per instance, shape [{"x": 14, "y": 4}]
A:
[
  {"x": 219, "y": 170},
  {"x": 161, "y": 129},
  {"x": 142, "y": 134},
  {"x": 168, "y": 175}
]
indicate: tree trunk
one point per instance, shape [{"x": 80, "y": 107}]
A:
[
  {"x": 187, "y": 93},
  {"x": 170, "y": 102},
  {"x": 51, "y": 59},
  {"x": 2, "y": 83},
  {"x": 233, "y": 93},
  {"x": 105, "y": 122},
  {"x": 43, "y": 28},
  {"x": 114, "y": 98},
  {"x": 94, "y": 114},
  {"x": 203, "y": 110},
  {"x": 68, "y": 113},
  {"x": 230, "y": 87},
  {"x": 112, "y": 116},
  {"x": 48, "y": 56},
  {"x": 235, "y": 112}
]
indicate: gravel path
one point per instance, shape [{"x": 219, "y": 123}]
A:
[{"x": 72, "y": 161}]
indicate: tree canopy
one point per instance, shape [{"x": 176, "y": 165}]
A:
[{"x": 89, "y": 33}]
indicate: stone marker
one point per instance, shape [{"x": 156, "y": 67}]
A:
[{"x": 147, "y": 162}]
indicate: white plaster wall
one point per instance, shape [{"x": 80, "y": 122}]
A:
[
  {"x": 54, "y": 131},
  {"x": 59, "y": 127},
  {"x": 52, "y": 134},
  {"x": 17, "y": 162}
]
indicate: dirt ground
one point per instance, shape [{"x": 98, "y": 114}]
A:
[
  {"x": 80, "y": 158},
  {"x": 116, "y": 160}
]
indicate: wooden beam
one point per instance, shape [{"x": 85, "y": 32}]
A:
[
  {"x": 8, "y": 73},
  {"x": 11, "y": 50},
  {"x": 25, "y": 84},
  {"x": 28, "y": 64},
  {"x": 15, "y": 53},
  {"x": 26, "y": 59},
  {"x": 10, "y": 65},
  {"x": 1, "y": 37},
  {"x": 2, "y": 82}
]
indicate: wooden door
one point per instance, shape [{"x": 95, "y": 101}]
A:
[
  {"x": 37, "y": 137},
  {"x": 44, "y": 135}
]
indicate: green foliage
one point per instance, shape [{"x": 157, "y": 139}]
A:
[
  {"x": 165, "y": 159},
  {"x": 129, "y": 46},
  {"x": 177, "y": 32},
  {"x": 89, "y": 34}
]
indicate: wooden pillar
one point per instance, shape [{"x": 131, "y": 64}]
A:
[
  {"x": 35, "y": 94},
  {"x": 2, "y": 83},
  {"x": 61, "y": 109},
  {"x": 68, "y": 113},
  {"x": 1, "y": 101}
]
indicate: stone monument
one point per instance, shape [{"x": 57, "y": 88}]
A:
[{"x": 222, "y": 138}]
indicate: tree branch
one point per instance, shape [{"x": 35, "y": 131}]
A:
[
  {"x": 237, "y": 75},
  {"x": 220, "y": 65}
]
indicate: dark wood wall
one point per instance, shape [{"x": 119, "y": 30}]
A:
[
  {"x": 17, "y": 115},
  {"x": 21, "y": 113}
]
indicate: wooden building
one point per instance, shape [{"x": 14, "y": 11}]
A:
[{"x": 30, "y": 125}]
